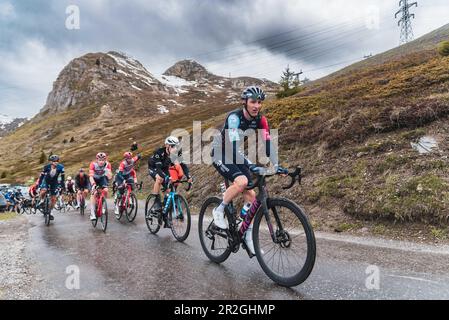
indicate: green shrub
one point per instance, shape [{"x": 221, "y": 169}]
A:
[
  {"x": 288, "y": 92},
  {"x": 443, "y": 48}
]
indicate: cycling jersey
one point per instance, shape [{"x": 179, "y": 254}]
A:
[
  {"x": 49, "y": 177},
  {"x": 160, "y": 162},
  {"x": 70, "y": 187},
  {"x": 96, "y": 171},
  {"x": 126, "y": 168},
  {"x": 233, "y": 132},
  {"x": 50, "y": 174},
  {"x": 82, "y": 182},
  {"x": 32, "y": 191},
  {"x": 99, "y": 173}
]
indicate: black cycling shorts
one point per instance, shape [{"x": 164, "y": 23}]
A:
[{"x": 231, "y": 171}]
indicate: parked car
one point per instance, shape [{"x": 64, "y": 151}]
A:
[{"x": 2, "y": 203}]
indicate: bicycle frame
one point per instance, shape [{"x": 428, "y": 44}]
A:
[
  {"x": 261, "y": 202},
  {"x": 99, "y": 198}
]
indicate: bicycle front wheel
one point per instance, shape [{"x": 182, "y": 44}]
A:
[
  {"x": 47, "y": 211},
  {"x": 284, "y": 242},
  {"x": 104, "y": 215},
  {"x": 180, "y": 219},
  {"x": 132, "y": 207}
]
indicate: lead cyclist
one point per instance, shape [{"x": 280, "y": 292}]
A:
[{"x": 236, "y": 167}]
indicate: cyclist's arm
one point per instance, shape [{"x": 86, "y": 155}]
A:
[
  {"x": 185, "y": 169},
  {"x": 62, "y": 176},
  {"x": 108, "y": 171},
  {"x": 270, "y": 151},
  {"x": 91, "y": 174}
]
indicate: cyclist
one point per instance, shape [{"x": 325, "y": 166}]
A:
[
  {"x": 159, "y": 165},
  {"x": 100, "y": 172},
  {"x": 70, "y": 189},
  {"x": 33, "y": 192},
  {"x": 48, "y": 180},
  {"x": 236, "y": 167},
  {"x": 125, "y": 172},
  {"x": 82, "y": 185},
  {"x": 18, "y": 198},
  {"x": 10, "y": 202}
]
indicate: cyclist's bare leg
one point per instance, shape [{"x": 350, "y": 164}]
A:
[
  {"x": 239, "y": 186},
  {"x": 158, "y": 184}
]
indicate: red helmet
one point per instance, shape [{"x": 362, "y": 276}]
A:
[
  {"x": 101, "y": 156},
  {"x": 127, "y": 155}
]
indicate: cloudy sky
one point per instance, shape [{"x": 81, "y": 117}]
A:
[{"x": 237, "y": 37}]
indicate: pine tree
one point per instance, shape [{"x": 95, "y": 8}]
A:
[{"x": 287, "y": 78}]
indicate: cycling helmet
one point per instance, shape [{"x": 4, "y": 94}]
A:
[
  {"x": 172, "y": 141},
  {"x": 127, "y": 155},
  {"x": 69, "y": 178},
  {"x": 253, "y": 92},
  {"x": 53, "y": 158},
  {"x": 101, "y": 156},
  {"x": 81, "y": 170}
]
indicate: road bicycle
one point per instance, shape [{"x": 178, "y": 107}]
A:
[
  {"x": 127, "y": 202},
  {"x": 175, "y": 212},
  {"x": 101, "y": 208},
  {"x": 283, "y": 237}
]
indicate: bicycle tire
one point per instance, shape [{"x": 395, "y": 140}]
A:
[
  {"x": 149, "y": 218},
  {"x": 309, "y": 263},
  {"x": 104, "y": 215},
  {"x": 182, "y": 238},
  {"x": 132, "y": 212}
]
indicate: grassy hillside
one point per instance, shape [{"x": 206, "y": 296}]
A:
[{"x": 351, "y": 132}]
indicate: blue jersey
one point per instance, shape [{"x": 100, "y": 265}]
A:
[{"x": 52, "y": 174}]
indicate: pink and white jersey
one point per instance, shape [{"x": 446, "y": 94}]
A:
[{"x": 97, "y": 171}]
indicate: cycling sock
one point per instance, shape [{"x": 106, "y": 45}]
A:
[{"x": 222, "y": 206}]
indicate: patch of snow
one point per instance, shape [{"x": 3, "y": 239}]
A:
[
  {"x": 175, "y": 102},
  {"x": 133, "y": 66},
  {"x": 123, "y": 72},
  {"x": 162, "y": 109},
  {"x": 137, "y": 88},
  {"x": 4, "y": 119},
  {"x": 176, "y": 83}
]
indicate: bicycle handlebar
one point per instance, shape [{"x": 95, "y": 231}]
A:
[
  {"x": 183, "y": 181},
  {"x": 295, "y": 175}
]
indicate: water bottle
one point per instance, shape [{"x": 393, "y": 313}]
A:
[{"x": 245, "y": 210}]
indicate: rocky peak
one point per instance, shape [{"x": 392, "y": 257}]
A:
[
  {"x": 188, "y": 70},
  {"x": 95, "y": 76}
]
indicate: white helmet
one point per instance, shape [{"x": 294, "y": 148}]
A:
[
  {"x": 172, "y": 141},
  {"x": 69, "y": 178}
]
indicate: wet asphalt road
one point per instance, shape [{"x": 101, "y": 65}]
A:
[{"x": 130, "y": 263}]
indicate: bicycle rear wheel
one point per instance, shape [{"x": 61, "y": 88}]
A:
[
  {"x": 131, "y": 210},
  {"x": 214, "y": 241},
  {"x": 152, "y": 219},
  {"x": 289, "y": 259},
  {"x": 180, "y": 219}
]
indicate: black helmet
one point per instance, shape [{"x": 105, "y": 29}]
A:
[
  {"x": 53, "y": 158},
  {"x": 253, "y": 92}
]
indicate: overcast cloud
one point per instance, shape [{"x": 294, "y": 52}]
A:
[{"x": 245, "y": 37}]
